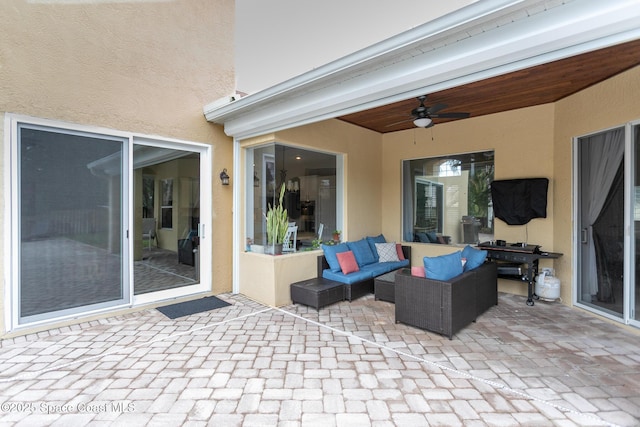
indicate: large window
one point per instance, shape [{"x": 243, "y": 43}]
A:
[
  {"x": 310, "y": 180},
  {"x": 447, "y": 200}
]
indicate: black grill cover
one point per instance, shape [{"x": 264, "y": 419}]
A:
[{"x": 518, "y": 201}]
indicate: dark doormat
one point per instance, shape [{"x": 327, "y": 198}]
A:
[{"x": 187, "y": 308}]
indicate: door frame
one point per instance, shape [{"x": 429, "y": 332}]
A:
[
  {"x": 629, "y": 232},
  {"x": 10, "y": 294},
  {"x": 631, "y": 317},
  {"x": 204, "y": 229}
]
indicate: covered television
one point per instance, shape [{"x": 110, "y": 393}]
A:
[{"x": 518, "y": 201}]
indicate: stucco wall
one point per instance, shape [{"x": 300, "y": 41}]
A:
[
  {"x": 611, "y": 103},
  {"x": 266, "y": 278},
  {"x": 531, "y": 142},
  {"x": 144, "y": 67},
  {"x": 523, "y": 144},
  {"x": 362, "y": 159}
]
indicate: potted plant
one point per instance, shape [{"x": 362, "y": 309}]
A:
[
  {"x": 336, "y": 235},
  {"x": 277, "y": 223}
]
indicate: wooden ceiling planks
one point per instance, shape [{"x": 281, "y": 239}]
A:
[{"x": 533, "y": 86}]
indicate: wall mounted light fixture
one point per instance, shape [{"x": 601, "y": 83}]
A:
[{"x": 224, "y": 177}]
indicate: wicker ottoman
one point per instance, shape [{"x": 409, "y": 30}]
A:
[
  {"x": 385, "y": 287},
  {"x": 317, "y": 292}
]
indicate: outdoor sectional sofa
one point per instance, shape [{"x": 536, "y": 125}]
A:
[
  {"x": 445, "y": 306},
  {"x": 369, "y": 264}
]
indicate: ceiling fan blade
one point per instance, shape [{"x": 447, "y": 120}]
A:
[
  {"x": 435, "y": 108},
  {"x": 400, "y": 122},
  {"x": 450, "y": 116}
]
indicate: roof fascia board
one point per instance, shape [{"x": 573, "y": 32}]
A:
[
  {"x": 472, "y": 13},
  {"x": 557, "y": 33}
]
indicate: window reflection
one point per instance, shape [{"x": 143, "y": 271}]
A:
[
  {"x": 310, "y": 179},
  {"x": 447, "y": 200}
]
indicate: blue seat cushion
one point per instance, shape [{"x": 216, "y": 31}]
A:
[
  {"x": 362, "y": 251},
  {"x": 443, "y": 267},
  {"x": 397, "y": 264},
  {"x": 330, "y": 252},
  {"x": 348, "y": 279},
  {"x": 372, "y": 240},
  {"x": 379, "y": 268},
  {"x": 475, "y": 257}
]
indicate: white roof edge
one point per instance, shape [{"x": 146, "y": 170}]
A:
[
  {"x": 564, "y": 30},
  {"x": 214, "y": 112}
]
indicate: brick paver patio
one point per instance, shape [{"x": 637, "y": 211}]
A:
[{"x": 349, "y": 364}]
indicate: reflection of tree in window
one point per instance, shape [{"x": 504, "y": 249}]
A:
[
  {"x": 480, "y": 192},
  {"x": 443, "y": 195}
]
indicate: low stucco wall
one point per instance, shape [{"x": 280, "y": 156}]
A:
[{"x": 266, "y": 278}]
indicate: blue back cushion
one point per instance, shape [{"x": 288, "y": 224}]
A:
[
  {"x": 475, "y": 257},
  {"x": 443, "y": 267},
  {"x": 362, "y": 251},
  {"x": 330, "y": 252},
  {"x": 372, "y": 244},
  {"x": 423, "y": 238}
]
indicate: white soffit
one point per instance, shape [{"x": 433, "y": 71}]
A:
[{"x": 485, "y": 39}]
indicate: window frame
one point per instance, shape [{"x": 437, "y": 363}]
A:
[{"x": 445, "y": 229}]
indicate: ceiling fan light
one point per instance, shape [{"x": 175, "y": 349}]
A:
[{"x": 422, "y": 122}]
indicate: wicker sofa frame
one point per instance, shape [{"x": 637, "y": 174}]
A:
[
  {"x": 361, "y": 288},
  {"x": 445, "y": 307}
]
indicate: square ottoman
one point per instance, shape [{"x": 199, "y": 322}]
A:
[{"x": 317, "y": 292}]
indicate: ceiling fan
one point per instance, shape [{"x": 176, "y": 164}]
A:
[{"x": 423, "y": 116}]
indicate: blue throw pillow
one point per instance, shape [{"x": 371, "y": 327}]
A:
[
  {"x": 475, "y": 257},
  {"x": 443, "y": 267},
  {"x": 372, "y": 244},
  {"x": 330, "y": 252},
  {"x": 362, "y": 251}
]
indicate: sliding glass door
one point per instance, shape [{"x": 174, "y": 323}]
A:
[
  {"x": 70, "y": 249},
  {"x": 102, "y": 219},
  {"x": 634, "y": 273},
  {"x": 608, "y": 223},
  {"x": 166, "y": 201}
]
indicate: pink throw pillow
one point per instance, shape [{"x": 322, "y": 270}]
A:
[
  {"x": 347, "y": 262},
  {"x": 399, "y": 250},
  {"x": 418, "y": 272}
]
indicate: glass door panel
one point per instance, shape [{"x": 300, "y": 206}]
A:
[
  {"x": 70, "y": 222},
  {"x": 601, "y": 221},
  {"x": 166, "y": 218},
  {"x": 635, "y": 285}
]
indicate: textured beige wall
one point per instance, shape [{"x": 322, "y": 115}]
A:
[
  {"x": 147, "y": 67},
  {"x": 523, "y": 144},
  {"x": 267, "y": 278},
  {"x": 611, "y": 103},
  {"x": 141, "y": 66},
  {"x": 362, "y": 160},
  {"x": 531, "y": 142}
]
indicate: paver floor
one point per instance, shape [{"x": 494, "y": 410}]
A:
[{"x": 348, "y": 364}]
